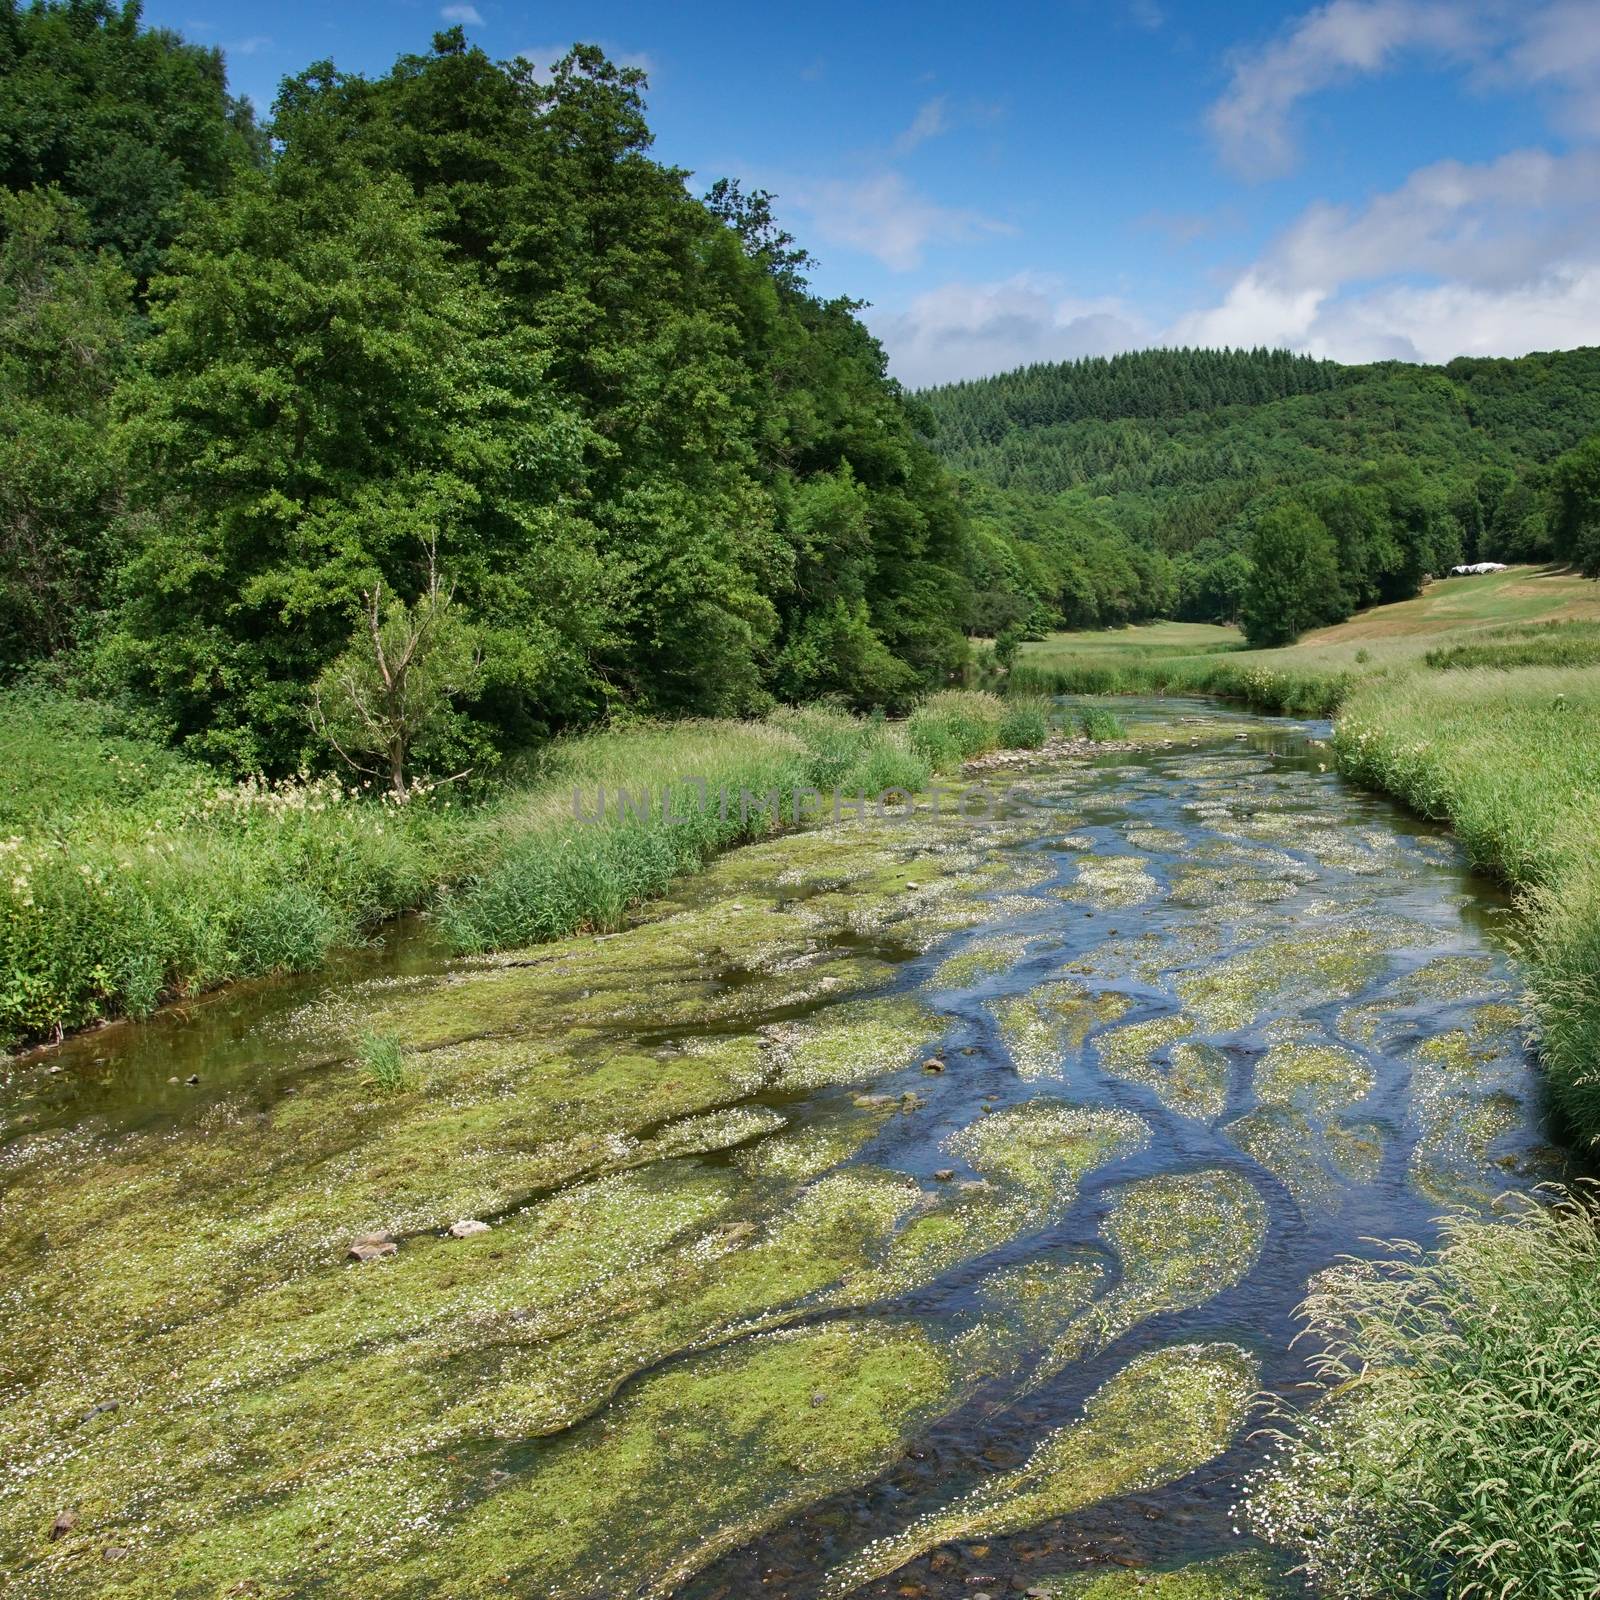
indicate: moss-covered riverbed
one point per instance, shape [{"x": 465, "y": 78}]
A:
[{"x": 905, "y": 1207}]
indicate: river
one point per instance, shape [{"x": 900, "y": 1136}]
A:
[{"x": 818, "y": 1206}]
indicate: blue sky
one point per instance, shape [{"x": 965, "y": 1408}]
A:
[{"x": 1364, "y": 178}]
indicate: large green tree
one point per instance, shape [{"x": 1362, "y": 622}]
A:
[
  {"x": 1575, "y": 507},
  {"x": 64, "y": 335},
  {"x": 1294, "y": 582},
  {"x": 328, "y": 395},
  {"x": 134, "y": 123}
]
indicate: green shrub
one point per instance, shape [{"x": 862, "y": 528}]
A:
[
  {"x": 60, "y": 756},
  {"x": 1453, "y": 1452},
  {"x": 1025, "y": 723},
  {"x": 1098, "y": 724}
]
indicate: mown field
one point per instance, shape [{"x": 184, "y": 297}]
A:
[{"x": 1523, "y": 616}]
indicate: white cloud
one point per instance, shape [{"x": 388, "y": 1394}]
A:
[
  {"x": 965, "y": 330},
  {"x": 1560, "y": 51},
  {"x": 884, "y": 216},
  {"x": 1147, "y": 14},
  {"x": 256, "y": 43},
  {"x": 464, "y": 14},
  {"x": 1499, "y": 258},
  {"x": 1337, "y": 41},
  {"x": 932, "y": 119},
  {"x": 1490, "y": 258},
  {"x": 1553, "y": 47}
]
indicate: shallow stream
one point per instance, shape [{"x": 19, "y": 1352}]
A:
[{"x": 908, "y": 1207}]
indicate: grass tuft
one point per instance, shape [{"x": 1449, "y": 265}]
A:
[
  {"x": 1025, "y": 722},
  {"x": 383, "y": 1063},
  {"x": 1452, "y": 1452}
]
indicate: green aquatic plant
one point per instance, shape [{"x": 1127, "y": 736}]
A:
[
  {"x": 979, "y": 960},
  {"x": 1332, "y": 962},
  {"x": 1161, "y": 1416},
  {"x": 1180, "y": 1238},
  {"x": 1045, "y": 1029},
  {"x": 1112, "y": 881}
]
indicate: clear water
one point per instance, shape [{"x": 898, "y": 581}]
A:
[{"x": 1234, "y": 853}]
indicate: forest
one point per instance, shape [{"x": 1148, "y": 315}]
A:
[
  {"x": 1265, "y": 487},
  {"x": 446, "y": 355},
  {"x": 444, "y": 367}
]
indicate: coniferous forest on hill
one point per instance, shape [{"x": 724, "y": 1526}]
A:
[{"x": 1185, "y": 470}]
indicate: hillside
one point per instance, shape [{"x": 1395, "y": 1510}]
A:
[{"x": 1182, "y": 452}]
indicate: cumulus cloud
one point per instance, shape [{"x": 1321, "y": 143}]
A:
[
  {"x": 464, "y": 14},
  {"x": 1498, "y": 258},
  {"x": 965, "y": 330},
  {"x": 1253, "y": 120},
  {"x": 1560, "y": 51},
  {"x": 886, "y": 217}
]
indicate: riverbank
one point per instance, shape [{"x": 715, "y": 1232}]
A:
[
  {"x": 1450, "y": 1454},
  {"x": 1446, "y": 703},
  {"x": 129, "y": 877}
]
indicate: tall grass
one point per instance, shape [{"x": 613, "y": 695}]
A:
[
  {"x": 1025, "y": 722},
  {"x": 1098, "y": 725},
  {"x": 383, "y": 1063},
  {"x": 1454, "y": 1451},
  {"x": 132, "y": 875},
  {"x": 1511, "y": 760},
  {"x": 119, "y": 888},
  {"x": 1309, "y": 690},
  {"x": 1550, "y": 644},
  {"x": 547, "y": 871},
  {"x": 949, "y": 728}
]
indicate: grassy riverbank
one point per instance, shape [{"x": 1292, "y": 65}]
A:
[
  {"x": 129, "y": 876},
  {"x": 1455, "y": 1452},
  {"x": 1444, "y": 702},
  {"x": 1524, "y": 616}
]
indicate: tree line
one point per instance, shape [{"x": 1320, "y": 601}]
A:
[
  {"x": 1280, "y": 491},
  {"x": 434, "y": 416},
  {"x": 439, "y": 368}
]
